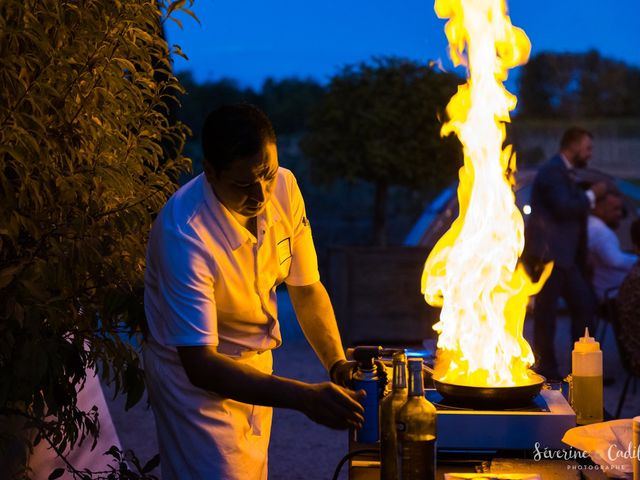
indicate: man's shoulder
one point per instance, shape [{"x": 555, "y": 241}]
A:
[
  {"x": 285, "y": 175},
  {"x": 597, "y": 230},
  {"x": 186, "y": 203},
  {"x": 554, "y": 163},
  {"x": 287, "y": 185},
  {"x": 189, "y": 196},
  {"x": 594, "y": 222},
  {"x": 552, "y": 171},
  {"x": 287, "y": 198}
]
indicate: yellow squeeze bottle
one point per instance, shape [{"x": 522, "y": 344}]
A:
[{"x": 586, "y": 363}]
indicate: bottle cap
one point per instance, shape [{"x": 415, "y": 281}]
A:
[
  {"x": 399, "y": 356},
  {"x": 586, "y": 343}
]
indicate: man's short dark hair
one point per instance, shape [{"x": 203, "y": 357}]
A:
[
  {"x": 235, "y": 131},
  {"x": 573, "y": 135},
  {"x": 635, "y": 232},
  {"x": 611, "y": 191}
]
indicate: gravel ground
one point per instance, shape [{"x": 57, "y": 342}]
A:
[{"x": 301, "y": 449}]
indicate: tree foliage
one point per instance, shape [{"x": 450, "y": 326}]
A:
[
  {"x": 380, "y": 122},
  {"x": 586, "y": 85},
  {"x": 288, "y": 102},
  {"x": 199, "y": 99},
  {"x": 87, "y": 156}
]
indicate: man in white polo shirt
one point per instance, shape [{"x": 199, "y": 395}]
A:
[{"x": 217, "y": 251}]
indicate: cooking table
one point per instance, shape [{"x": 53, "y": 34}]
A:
[
  {"x": 367, "y": 467},
  {"x": 512, "y": 457},
  {"x": 494, "y": 460}
]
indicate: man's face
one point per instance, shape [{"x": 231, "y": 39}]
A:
[
  {"x": 610, "y": 210},
  {"x": 245, "y": 186},
  {"x": 582, "y": 150}
]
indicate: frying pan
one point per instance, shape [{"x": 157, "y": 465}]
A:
[{"x": 488, "y": 397}]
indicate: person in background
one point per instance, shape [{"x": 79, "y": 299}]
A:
[
  {"x": 217, "y": 251},
  {"x": 556, "y": 232},
  {"x": 628, "y": 305},
  {"x": 608, "y": 263}
]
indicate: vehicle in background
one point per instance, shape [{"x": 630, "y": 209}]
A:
[{"x": 440, "y": 214}]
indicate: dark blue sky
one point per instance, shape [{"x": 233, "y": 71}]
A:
[{"x": 250, "y": 40}]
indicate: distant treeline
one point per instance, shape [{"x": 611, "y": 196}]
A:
[
  {"x": 551, "y": 85},
  {"x": 372, "y": 133},
  {"x": 288, "y": 102},
  {"x": 578, "y": 86}
]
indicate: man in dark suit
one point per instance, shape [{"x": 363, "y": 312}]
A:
[{"x": 556, "y": 231}]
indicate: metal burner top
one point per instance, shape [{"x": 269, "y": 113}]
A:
[
  {"x": 543, "y": 422},
  {"x": 538, "y": 404}
]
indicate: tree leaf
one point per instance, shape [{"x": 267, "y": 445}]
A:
[
  {"x": 174, "y": 5},
  {"x": 191, "y": 14},
  {"x": 151, "y": 464},
  {"x": 57, "y": 473},
  {"x": 114, "y": 452},
  {"x": 9, "y": 273}
]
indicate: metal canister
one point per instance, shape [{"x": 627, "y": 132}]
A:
[{"x": 368, "y": 380}]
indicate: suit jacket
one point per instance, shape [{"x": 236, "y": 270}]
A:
[{"x": 556, "y": 227}]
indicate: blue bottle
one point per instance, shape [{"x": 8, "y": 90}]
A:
[{"x": 366, "y": 378}]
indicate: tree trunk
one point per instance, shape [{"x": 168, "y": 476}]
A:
[{"x": 379, "y": 214}]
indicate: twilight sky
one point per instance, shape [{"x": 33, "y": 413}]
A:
[{"x": 249, "y": 40}]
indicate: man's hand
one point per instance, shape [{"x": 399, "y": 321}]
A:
[
  {"x": 333, "y": 406},
  {"x": 341, "y": 373}
]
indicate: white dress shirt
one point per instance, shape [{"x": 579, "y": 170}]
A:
[{"x": 609, "y": 263}]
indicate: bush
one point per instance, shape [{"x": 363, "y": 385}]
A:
[{"x": 88, "y": 155}]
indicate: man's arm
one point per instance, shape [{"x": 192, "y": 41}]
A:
[
  {"x": 606, "y": 250},
  {"x": 324, "y": 403},
  {"x": 315, "y": 315}
]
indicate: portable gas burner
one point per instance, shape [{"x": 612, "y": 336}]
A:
[
  {"x": 543, "y": 422},
  {"x": 500, "y": 418}
]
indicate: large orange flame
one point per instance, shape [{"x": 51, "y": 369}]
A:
[{"x": 473, "y": 271}]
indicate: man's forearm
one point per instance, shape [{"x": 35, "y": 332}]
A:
[
  {"x": 318, "y": 322},
  {"x": 324, "y": 403},
  {"x": 219, "y": 374}
]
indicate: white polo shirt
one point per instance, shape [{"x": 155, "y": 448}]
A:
[{"x": 209, "y": 281}]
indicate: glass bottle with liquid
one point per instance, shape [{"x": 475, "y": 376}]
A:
[
  {"x": 586, "y": 373},
  {"x": 390, "y": 406},
  {"x": 416, "y": 430}
]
